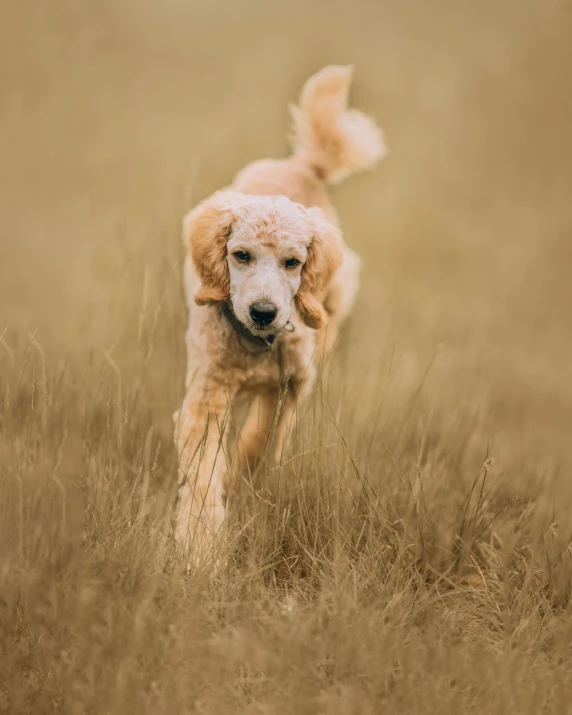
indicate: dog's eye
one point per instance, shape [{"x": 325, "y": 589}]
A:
[
  {"x": 242, "y": 256},
  {"x": 291, "y": 262}
]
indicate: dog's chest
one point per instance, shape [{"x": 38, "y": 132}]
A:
[{"x": 234, "y": 360}]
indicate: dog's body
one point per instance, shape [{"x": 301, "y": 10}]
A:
[{"x": 269, "y": 281}]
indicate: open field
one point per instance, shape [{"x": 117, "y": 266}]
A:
[{"x": 413, "y": 552}]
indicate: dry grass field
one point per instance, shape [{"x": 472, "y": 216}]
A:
[{"x": 412, "y": 553}]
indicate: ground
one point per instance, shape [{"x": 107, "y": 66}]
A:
[{"x": 412, "y": 553}]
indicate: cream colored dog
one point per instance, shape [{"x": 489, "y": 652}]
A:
[{"x": 269, "y": 280}]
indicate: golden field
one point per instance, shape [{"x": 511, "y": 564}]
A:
[{"x": 413, "y": 553}]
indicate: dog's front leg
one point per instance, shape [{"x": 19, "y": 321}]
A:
[
  {"x": 257, "y": 428},
  {"x": 293, "y": 399},
  {"x": 270, "y": 415},
  {"x": 200, "y": 430}
]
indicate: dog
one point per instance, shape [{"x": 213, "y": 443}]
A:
[{"x": 268, "y": 280}]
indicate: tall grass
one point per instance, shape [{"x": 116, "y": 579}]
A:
[{"x": 385, "y": 565}]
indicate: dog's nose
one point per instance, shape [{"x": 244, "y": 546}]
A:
[{"x": 262, "y": 313}]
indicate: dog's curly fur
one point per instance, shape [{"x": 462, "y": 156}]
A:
[{"x": 278, "y": 210}]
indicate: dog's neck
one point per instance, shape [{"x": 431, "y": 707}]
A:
[{"x": 264, "y": 344}]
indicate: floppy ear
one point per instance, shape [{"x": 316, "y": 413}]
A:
[
  {"x": 325, "y": 255},
  {"x": 206, "y": 230}
]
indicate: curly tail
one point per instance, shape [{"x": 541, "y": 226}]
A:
[{"x": 335, "y": 140}]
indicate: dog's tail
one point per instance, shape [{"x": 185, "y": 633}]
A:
[{"x": 335, "y": 140}]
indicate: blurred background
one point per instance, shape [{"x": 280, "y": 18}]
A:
[{"x": 115, "y": 117}]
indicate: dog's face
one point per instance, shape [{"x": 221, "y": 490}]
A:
[
  {"x": 263, "y": 253},
  {"x": 265, "y": 260}
]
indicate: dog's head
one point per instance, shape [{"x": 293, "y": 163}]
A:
[{"x": 261, "y": 253}]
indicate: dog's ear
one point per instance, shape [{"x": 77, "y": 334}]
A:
[
  {"x": 206, "y": 230},
  {"x": 325, "y": 254}
]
